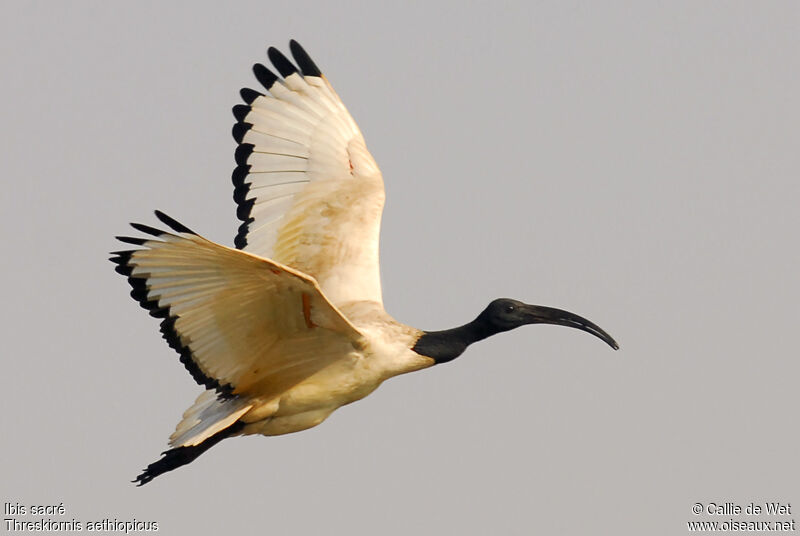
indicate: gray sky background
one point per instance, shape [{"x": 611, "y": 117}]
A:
[{"x": 636, "y": 163}]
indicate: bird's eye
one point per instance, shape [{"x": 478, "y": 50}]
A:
[{"x": 509, "y": 308}]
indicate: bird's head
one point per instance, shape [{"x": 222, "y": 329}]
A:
[
  {"x": 504, "y": 314},
  {"x": 500, "y": 315}
]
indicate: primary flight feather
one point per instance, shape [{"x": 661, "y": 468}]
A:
[{"x": 290, "y": 325}]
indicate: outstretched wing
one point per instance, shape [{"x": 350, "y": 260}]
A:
[
  {"x": 242, "y": 324},
  {"x": 310, "y": 195}
]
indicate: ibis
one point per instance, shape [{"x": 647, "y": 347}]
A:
[{"x": 289, "y": 325}]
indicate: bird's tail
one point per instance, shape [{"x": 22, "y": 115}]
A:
[
  {"x": 176, "y": 457},
  {"x": 208, "y": 415}
]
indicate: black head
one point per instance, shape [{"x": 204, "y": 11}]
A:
[
  {"x": 501, "y": 315},
  {"x": 504, "y": 314}
]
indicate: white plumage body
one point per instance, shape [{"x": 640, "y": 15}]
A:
[
  {"x": 289, "y": 326},
  {"x": 383, "y": 352},
  {"x": 289, "y": 354}
]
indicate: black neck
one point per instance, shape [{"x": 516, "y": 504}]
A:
[{"x": 448, "y": 344}]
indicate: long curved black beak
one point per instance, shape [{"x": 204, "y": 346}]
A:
[{"x": 537, "y": 314}]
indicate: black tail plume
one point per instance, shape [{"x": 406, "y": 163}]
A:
[{"x": 174, "y": 458}]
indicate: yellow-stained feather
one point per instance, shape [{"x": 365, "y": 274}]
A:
[{"x": 243, "y": 317}]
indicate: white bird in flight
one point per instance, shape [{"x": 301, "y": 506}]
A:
[{"x": 290, "y": 325}]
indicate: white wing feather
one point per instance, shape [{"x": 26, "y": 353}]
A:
[
  {"x": 242, "y": 324},
  {"x": 309, "y": 192}
]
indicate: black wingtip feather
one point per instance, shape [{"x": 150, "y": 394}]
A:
[
  {"x": 249, "y": 95},
  {"x": 239, "y": 174},
  {"x": 239, "y": 130},
  {"x": 243, "y": 152},
  {"x": 121, "y": 259},
  {"x": 304, "y": 61},
  {"x": 147, "y": 229},
  {"x": 281, "y": 62},
  {"x": 240, "y": 189},
  {"x": 244, "y": 209},
  {"x": 240, "y": 193},
  {"x": 240, "y": 111},
  {"x": 241, "y": 237},
  {"x": 171, "y": 336},
  {"x": 179, "y": 456},
  {"x": 173, "y": 224},
  {"x": 266, "y": 77},
  {"x": 132, "y": 240}
]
